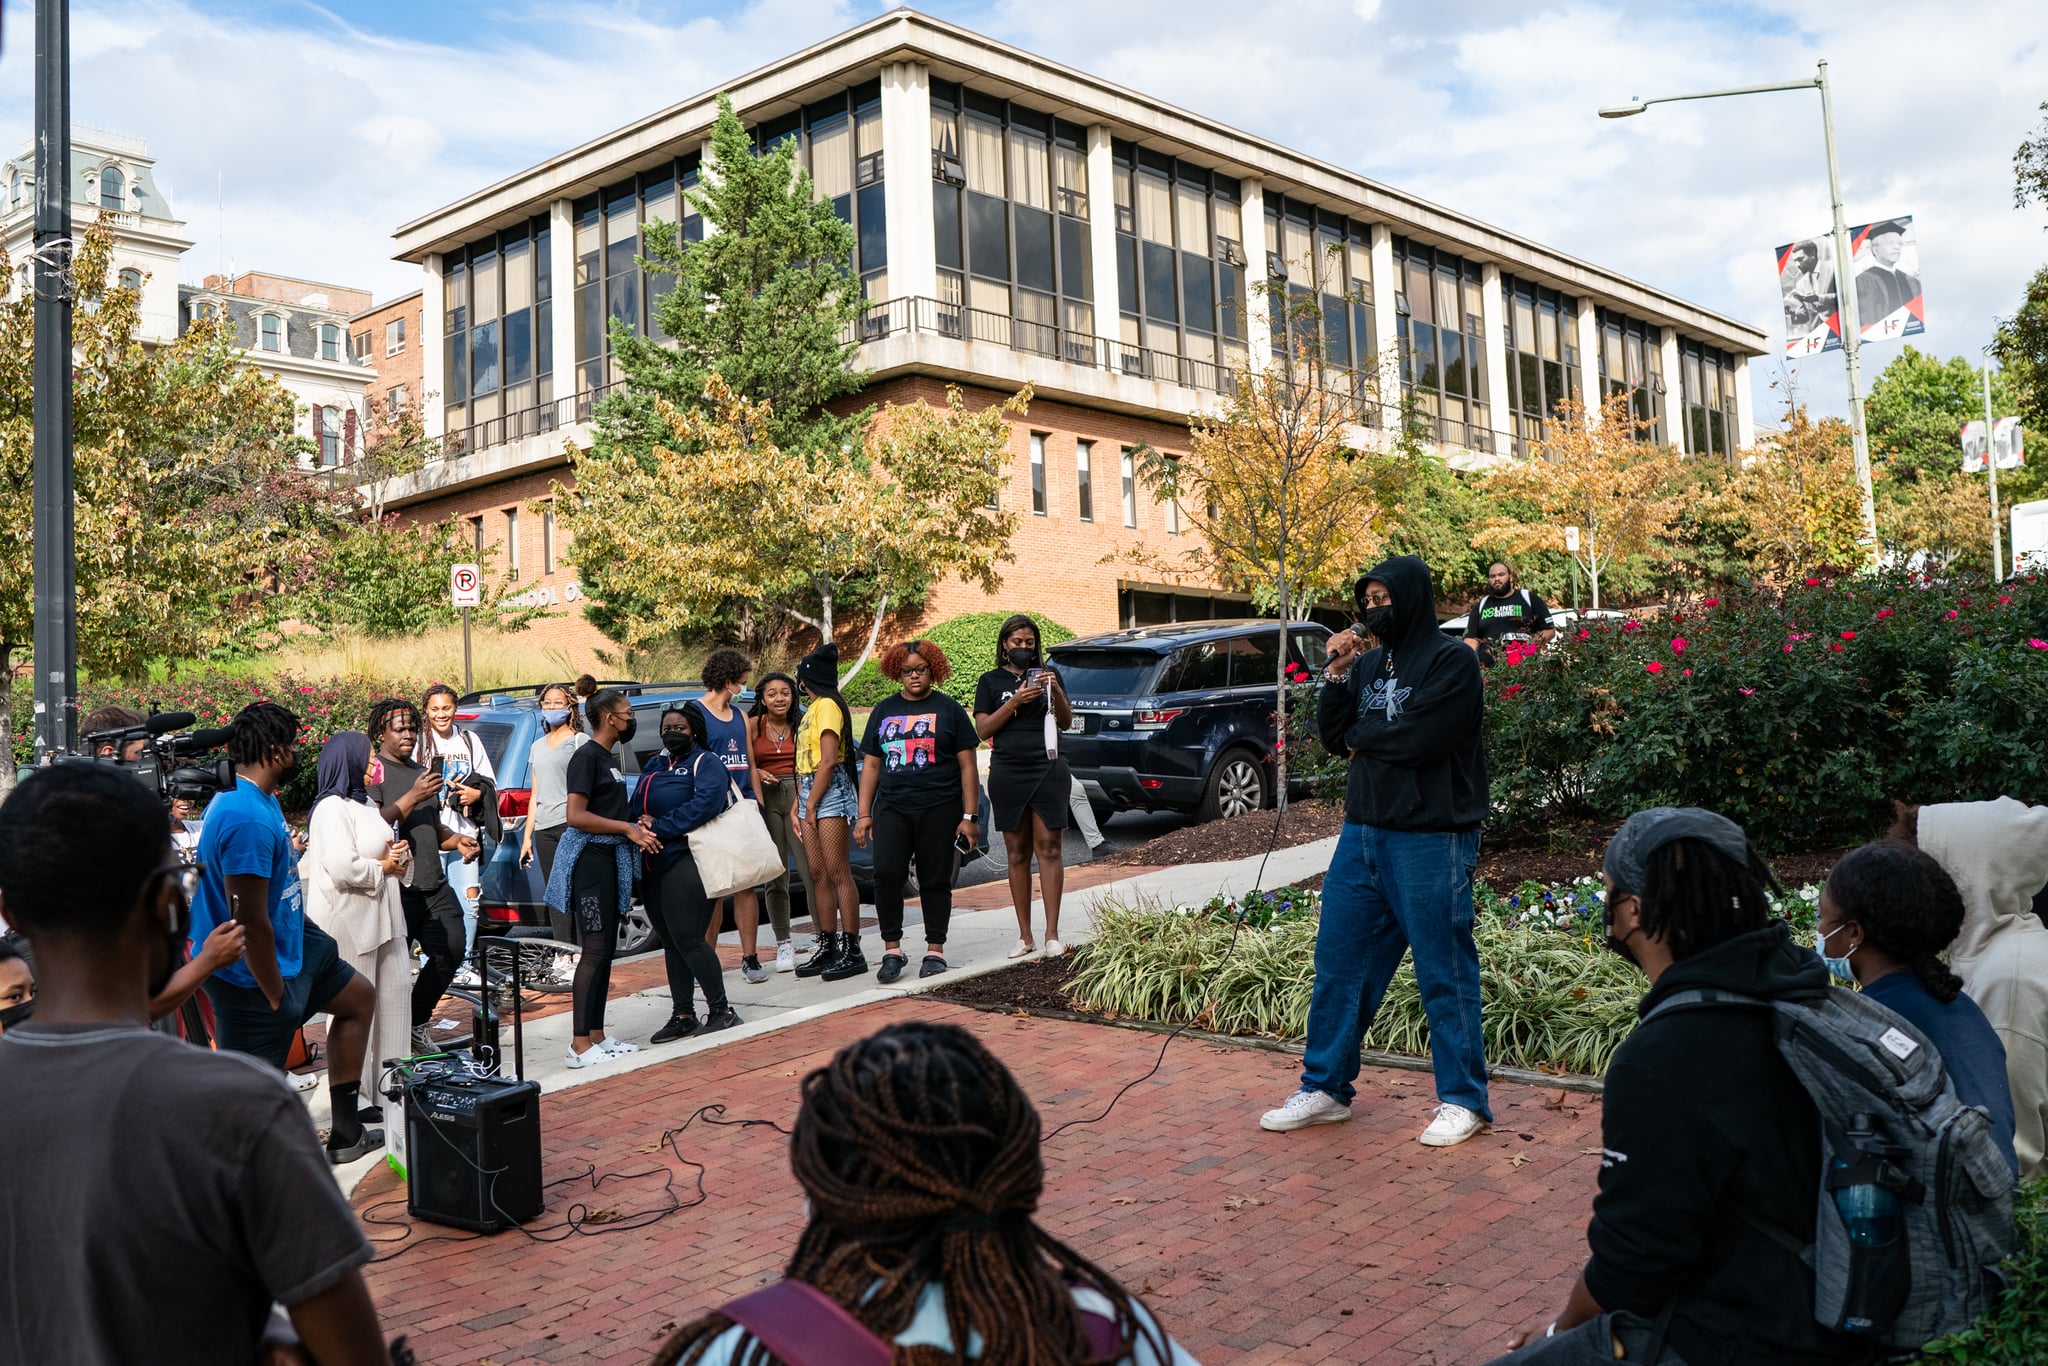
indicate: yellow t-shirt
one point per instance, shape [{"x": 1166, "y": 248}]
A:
[{"x": 823, "y": 715}]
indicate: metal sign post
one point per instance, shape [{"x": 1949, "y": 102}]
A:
[
  {"x": 1991, "y": 464},
  {"x": 56, "y": 599},
  {"x": 466, "y": 589}
]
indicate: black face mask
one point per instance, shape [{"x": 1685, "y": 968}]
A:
[
  {"x": 291, "y": 771},
  {"x": 678, "y": 742},
  {"x": 626, "y": 731},
  {"x": 18, "y": 1013},
  {"x": 1611, "y": 942},
  {"x": 1380, "y": 620},
  {"x": 1023, "y": 657}
]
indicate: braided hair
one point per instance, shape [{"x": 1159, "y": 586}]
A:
[
  {"x": 1695, "y": 897},
  {"x": 920, "y": 1154},
  {"x": 1907, "y": 905},
  {"x": 381, "y": 712}
]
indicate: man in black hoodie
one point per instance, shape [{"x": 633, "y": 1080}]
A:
[
  {"x": 1409, "y": 715},
  {"x": 1710, "y": 1147}
]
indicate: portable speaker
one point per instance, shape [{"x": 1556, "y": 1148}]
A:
[{"x": 473, "y": 1151}]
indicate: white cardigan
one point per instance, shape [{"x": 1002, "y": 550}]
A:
[{"x": 348, "y": 893}]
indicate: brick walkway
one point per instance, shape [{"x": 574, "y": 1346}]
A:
[{"x": 1349, "y": 1243}]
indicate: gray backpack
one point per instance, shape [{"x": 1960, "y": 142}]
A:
[{"x": 1890, "y": 1119}]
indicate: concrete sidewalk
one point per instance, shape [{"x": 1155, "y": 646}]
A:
[{"x": 978, "y": 942}]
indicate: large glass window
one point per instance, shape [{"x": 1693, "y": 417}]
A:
[
  {"x": 1632, "y": 363},
  {"x": 1707, "y": 386},
  {"x": 1038, "y": 473},
  {"x": 1010, "y": 217},
  {"x": 499, "y": 358},
  {"x": 1542, "y": 335},
  {"x": 839, "y": 140},
  {"x": 1326, "y": 261},
  {"x": 1443, "y": 368},
  {"x": 1084, "y": 475},
  {"x": 113, "y": 188},
  {"x": 1180, "y": 268}
]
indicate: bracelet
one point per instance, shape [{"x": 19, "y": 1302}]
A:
[{"x": 1551, "y": 1331}]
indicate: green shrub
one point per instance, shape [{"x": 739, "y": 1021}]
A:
[
  {"x": 2015, "y": 1331},
  {"x": 969, "y": 643}
]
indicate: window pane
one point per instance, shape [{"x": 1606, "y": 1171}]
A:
[
  {"x": 519, "y": 347},
  {"x": 1084, "y": 453},
  {"x": 1077, "y": 271},
  {"x": 1038, "y": 474},
  {"x": 543, "y": 339},
  {"x": 874, "y": 229},
  {"x": 1070, "y": 178},
  {"x": 1155, "y": 209},
  {"x": 1030, "y": 170},
  {"x": 984, "y": 156},
  {"x": 945, "y": 132},
  {"x": 1229, "y": 300},
  {"x": 1159, "y": 288},
  {"x": 1454, "y": 362},
  {"x": 1198, "y": 294},
  {"x": 1298, "y": 250},
  {"x": 1420, "y": 306},
  {"x": 622, "y": 300},
  {"x": 867, "y": 132},
  {"x": 589, "y": 322},
  {"x": 988, "y": 237},
  {"x": 1034, "y": 249},
  {"x": 1126, "y": 273},
  {"x": 946, "y": 225},
  {"x": 518, "y": 276},
  {"x": 483, "y": 358},
  {"x": 1191, "y": 218},
  {"x": 589, "y": 258},
  {"x": 1229, "y": 221},
  {"x": 1337, "y": 331},
  {"x": 832, "y": 157},
  {"x": 1255, "y": 660},
  {"x": 457, "y": 298},
  {"x": 455, "y": 377}
]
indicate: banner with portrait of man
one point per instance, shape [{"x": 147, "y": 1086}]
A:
[
  {"x": 1806, "y": 285},
  {"x": 1885, "y": 266}
]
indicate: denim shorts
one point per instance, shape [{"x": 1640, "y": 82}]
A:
[
  {"x": 839, "y": 799},
  {"x": 243, "y": 1019}
]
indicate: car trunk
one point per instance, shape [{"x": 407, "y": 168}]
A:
[{"x": 1104, "y": 686}]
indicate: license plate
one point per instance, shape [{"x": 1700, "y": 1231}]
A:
[{"x": 1078, "y": 726}]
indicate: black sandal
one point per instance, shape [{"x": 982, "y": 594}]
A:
[
  {"x": 892, "y": 968},
  {"x": 932, "y": 967}
]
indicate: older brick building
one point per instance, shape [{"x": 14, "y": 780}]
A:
[{"x": 1019, "y": 221}]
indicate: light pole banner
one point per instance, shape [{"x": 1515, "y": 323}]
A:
[
  {"x": 2005, "y": 444},
  {"x": 1806, "y": 284},
  {"x": 1885, "y": 265}
]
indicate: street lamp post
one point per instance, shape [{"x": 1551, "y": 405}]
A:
[
  {"x": 1845, "y": 296},
  {"x": 56, "y": 602}
]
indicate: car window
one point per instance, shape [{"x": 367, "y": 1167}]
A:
[
  {"x": 1309, "y": 650},
  {"x": 1200, "y": 668},
  {"x": 494, "y": 736},
  {"x": 1105, "y": 673},
  {"x": 1255, "y": 659}
]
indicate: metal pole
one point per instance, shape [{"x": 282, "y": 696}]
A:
[
  {"x": 56, "y": 624},
  {"x": 1991, "y": 464},
  {"x": 467, "y": 685},
  {"x": 1845, "y": 297}
]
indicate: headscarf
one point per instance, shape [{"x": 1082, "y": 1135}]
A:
[{"x": 343, "y": 760}]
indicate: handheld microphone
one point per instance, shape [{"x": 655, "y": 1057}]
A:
[
  {"x": 205, "y": 739},
  {"x": 166, "y": 721}
]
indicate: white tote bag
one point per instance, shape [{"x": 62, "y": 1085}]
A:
[{"x": 734, "y": 850}]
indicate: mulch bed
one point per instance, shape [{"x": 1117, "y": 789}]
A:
[
  {"x": 1036, "y": 984},
  {"x": 1237, "y": 837}
]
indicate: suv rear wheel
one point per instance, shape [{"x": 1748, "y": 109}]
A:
[{"x": 1237, "y": 786}]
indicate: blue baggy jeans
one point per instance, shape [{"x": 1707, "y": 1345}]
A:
[{"x": 1389, "y": 891}]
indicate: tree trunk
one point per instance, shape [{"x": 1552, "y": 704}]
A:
[
  {"x": 881, "y": 610},
  {"x": 6, "y": 719}
]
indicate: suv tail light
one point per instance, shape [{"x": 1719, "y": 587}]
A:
[
  {"x": 503, "y": 915},
  {"x": 512, "y": 801},
  {"x": 1155, "y": 720}
]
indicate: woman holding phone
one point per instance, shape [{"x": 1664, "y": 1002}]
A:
[
  {"x": 1020, "y": 708},
  {"x": 547, "y": 771}
]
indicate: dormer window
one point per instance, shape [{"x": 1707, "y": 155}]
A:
[
  {"x": 113, "y": 188},
  {"x": 330, "y": 341},
  {"x": 131, "y": 278},
  {"x": 271, "y": 332}
]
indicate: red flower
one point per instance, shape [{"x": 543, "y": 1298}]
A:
[
  {"x": 1813, "y": 583},
  {"x": 1583, "y": 634},
  {"x": 1747, "y": 692},
  {"x": 1654, "y": 667},
  {"x": 1950, "y": 615},
  {"x": 1883, "y": 612},
  {"x": 1512, "y": 689},
  {"x": 1688, "y": 673},
  {"x": 1836, "y": 647},
  {"x": 1964, "y": 603},
  {"x": 1848, "y": 635},
  {"x": 1711, "y": 602},
  {"x": 1677, "y": 617},
  {"x": 2004, "y": 601},
  {"x": 2037, "y": 643},
  {"x": 1631, "y": 625},
  {"x": 1678, "y": 645}
]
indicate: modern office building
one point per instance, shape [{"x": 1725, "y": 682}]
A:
[
  {"x": 113, "y": 181},
  {"x": 1022, "y": 222}
]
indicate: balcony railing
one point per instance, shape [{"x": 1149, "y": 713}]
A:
[{"x": 534, "y": 421}]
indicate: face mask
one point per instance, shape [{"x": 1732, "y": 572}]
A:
[
  {"x": 1380, "y": 620},
  {"x": 631, "y": 726},
  {"x": 376, "y": 772},
  {"x": 291, "y": 770},
  {"x": 17, "y": 1013},
  {"x": 1613, "y": 943},
  {"x": 554, "y": 716},
  {"x": 1022, "y": 657},
  {"x": 677, "y": 742},
  {"x": 1840, "y": 967}
]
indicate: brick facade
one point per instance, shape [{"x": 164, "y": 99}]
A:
[
  {"x": 1058, "y": 570},
  {"x": 396, "y": 369}
]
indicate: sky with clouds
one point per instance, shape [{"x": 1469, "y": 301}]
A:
[{"x": 293, "y": 137}]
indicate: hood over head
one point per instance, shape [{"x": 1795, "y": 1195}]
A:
[
  {"x": 1408, "y": 583},
  {"x": 1997, "y": 852}
]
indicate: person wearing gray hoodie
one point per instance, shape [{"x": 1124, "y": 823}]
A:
[{"x": 1997, "y": 853}]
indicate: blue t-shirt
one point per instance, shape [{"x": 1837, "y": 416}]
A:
[
  {"x": 1968, "y": 1045},
  {"x": 728, "y": 740},
  {"x": 245, "y": 836}
]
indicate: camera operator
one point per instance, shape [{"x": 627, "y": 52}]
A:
[{"x": 102, "y": 721}]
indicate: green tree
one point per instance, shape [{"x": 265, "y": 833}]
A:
[
  {"x": 1917, "y": 408},
  {"x": 766, "y": 302},
  {"x": 191, "y": 505},
  {"x": 2030, "y": 166}
]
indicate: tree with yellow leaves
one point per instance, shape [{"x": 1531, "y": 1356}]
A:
[
  {"x": 1603, "y": 478},
  {"x": 720, "y": 512},
  {"x": 1795, "y": 499},
  {"x": 1286, "y": 489},
  {"x": 1943, "y": 516}
]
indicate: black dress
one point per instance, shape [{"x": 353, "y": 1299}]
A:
[{"x": 1020, "y": 776}]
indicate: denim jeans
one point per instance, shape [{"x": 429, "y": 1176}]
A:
[
  {"x": 463, "y": 879},
  {"x": 1388, "y": 891}
]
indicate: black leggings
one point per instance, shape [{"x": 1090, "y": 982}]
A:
[
  {"x": 595, "y": 876},
  {"x": 434, "y": 919},
  {"x": 928, "y": 836},
  {"x": 682, "y": 913}
]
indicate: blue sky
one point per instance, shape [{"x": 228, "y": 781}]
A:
[{"x": 328, "y": 125}]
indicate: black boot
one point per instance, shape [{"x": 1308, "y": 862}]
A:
[
  {"x": 850, "y": 963},
  {"x": 825, "y": 957}
]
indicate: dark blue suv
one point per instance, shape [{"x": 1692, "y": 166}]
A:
[{"x": 1179, "y": 717}]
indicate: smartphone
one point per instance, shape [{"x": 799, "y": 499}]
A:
[
  {"x": 1037, "y": 678},
  {"x": 439, "y": 766}
]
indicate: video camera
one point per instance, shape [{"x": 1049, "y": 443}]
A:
[{"x": 168, "y": 762}]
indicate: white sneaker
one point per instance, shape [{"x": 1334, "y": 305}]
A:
[
  {"x": 1054, "y": 948},
  {"x": 1453, "y": 1125},
  {"x": 589, "y": 1057},
  {"x": 785, "y": 957},
  {"x": 1303, "y": 1108},
  {"x": 616, "y": 1046}
]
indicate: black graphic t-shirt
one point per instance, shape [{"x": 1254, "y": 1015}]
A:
[
  {"x": 1519, "y": 613},
  {"x": 1022, "y": 741},
  {"x": 919, "y": 744}
]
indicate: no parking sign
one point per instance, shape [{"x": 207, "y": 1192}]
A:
[{"x": 466, "y": 586}]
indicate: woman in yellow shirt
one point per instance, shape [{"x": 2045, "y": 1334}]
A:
[{"x": 826, "y": 800}]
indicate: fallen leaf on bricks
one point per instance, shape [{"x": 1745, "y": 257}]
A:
[
  {"x": 601, "y": 1216},
  {"x": 1592, "y": 1152},
  {"x": 1122, "y": 1200},
  {"x": 1555, "y": 1102},
  {"x": 1518, "y": 1159},
  {"x": 1241, "y": 1201}
]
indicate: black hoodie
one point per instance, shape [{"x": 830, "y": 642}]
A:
[
  {"x": 1410, "y": 715},
  {"x": 1704, "y": 1123}
]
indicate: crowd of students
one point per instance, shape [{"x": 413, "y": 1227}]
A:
[{"x": 918, "y": 1153}]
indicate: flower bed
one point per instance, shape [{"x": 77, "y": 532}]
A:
[{"x": 1553, "y": 998}]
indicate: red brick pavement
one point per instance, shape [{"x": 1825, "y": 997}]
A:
[{"x": 1346, "y": 1243}]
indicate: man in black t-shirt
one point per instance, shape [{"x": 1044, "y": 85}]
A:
[
  {"x": 158, "y": 1197},
  {"x": 1505, "y": 611}
]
